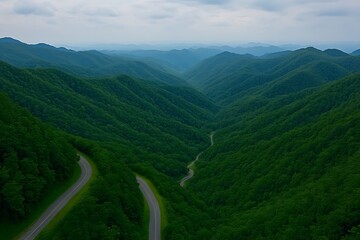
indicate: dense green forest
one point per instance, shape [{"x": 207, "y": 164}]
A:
[
  {"x": 285, "y": 163},
  {"x": 289, "y": 169},
  {"x": 227, "y": 77},
  {"x": 135, "y": 122},
  {"x": 113, "y": 206},
  {"x": 33, "y": 157},
  {"x": 153, "y": 117}
]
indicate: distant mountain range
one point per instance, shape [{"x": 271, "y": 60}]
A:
[
  {"x": 182, "y": 60},
  {"x": 163, "y": 65},
  {"x": 82, "y": 63},
  {"x": 179, "y": 60},
  {"x": 356, "y": 53},
  {"x": 253, "y": 50},
  {"x": 285, "y": 158},
  {"x": 228, "y": 76}
]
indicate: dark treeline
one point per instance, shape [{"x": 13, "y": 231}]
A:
[
  {"x": 287, "y": 169},
  {"x": 33, "y": 157}
]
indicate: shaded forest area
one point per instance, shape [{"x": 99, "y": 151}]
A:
[
  {"x": 33, "y": 157},
  {"x": 284, "y": 164}
]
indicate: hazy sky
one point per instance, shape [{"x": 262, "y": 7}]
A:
[{"x": 178, "y": 21}]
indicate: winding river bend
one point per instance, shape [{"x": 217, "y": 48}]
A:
[{"x": 191, "y": 165}]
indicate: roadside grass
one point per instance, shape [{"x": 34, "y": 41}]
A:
[
  {"x": 145, "y": 227},
  {"x": 160, "y": 200},
  {"x": 12, "y": 230},
  {"x": 51, "y": 230}
]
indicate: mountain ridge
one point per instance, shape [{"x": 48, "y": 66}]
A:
[
  {"x": 284, "y": 164},
  {"x": 281, "y": 167},
  {"x": 83, "y": 63},
  {"x": 226, "y": 76}
]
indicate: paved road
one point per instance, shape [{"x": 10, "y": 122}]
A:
[
  {"x": 54, "y": 208},
  {"x": 190, "y": 166},
  {"x": 155, "y": 217}
]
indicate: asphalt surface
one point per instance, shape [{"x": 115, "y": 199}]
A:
[
  {"x": 55, "y": 208},
  {"x": 191, "y": 171},
  {"x": 155, "y": 217}
]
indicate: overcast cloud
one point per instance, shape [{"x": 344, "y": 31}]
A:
[
  {"x": 34, "y": 8},
  {"x": 175, "y": 21}
]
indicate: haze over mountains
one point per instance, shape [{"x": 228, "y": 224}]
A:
[
  {"x": 148, "y": 64},
  {"x": 229, "y": 76},
  {"x": 84, "y": 63},
  {"x": 284, "y": 164}
]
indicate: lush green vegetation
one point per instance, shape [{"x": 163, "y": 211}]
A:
[
  {"x": 50, "y": 231},
  {"x": 112, "y": 207},
  {"x": 83, "y": 63},
  {"x": 151, "y": 119},
  {"x": 12, "y": 229},
  {"x": 285, "y": 164},
  {"x": 145, "y": 125},
  {"x": 187, "y": 216},
  {"x": 288, "y": 171},
  {"x": 33, "y": 158},
  {"x": 228, "y": 76}
]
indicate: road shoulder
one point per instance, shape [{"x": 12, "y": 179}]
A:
[
  {"x": 160, "y": 200},
  {"x": 49, "y": 232}
]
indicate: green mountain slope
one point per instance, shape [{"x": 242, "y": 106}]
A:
[
  {"x": 289, "y": 168},
  {"x": 227, "y": 77},
  {"x": 155, "y": 118},
  {"x": 83, "y": 63},
  {"x": 33, "y": 157},
  {"x": 35, "y": 160},
  {"x": 285, "y": 161},
  {"x": 335, "y": 53},
  {"x": 150, "y": 127},
  {"x": 356, "y": 53}
]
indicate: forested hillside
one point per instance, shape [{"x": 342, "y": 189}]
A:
[
  {"x": 288, "y": 169},
  {"x": 285, "y": 163},
  {"x": 154, "y": 128},
  {"x": 33, "y": 157},
  {"x": 112, "y": 207},
  {"x": 155, "y": 118},
  {"x": 228, "y": 76},
  {"x": 83, "y": 63}
]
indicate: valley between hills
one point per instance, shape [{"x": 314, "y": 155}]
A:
[{"x": 282, "y": 159}]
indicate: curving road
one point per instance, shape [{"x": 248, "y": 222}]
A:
[
  {"x": 190, "y": 166},
  {"x": 55, "y": 208},
  {"x": 155, "y": 217}
]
